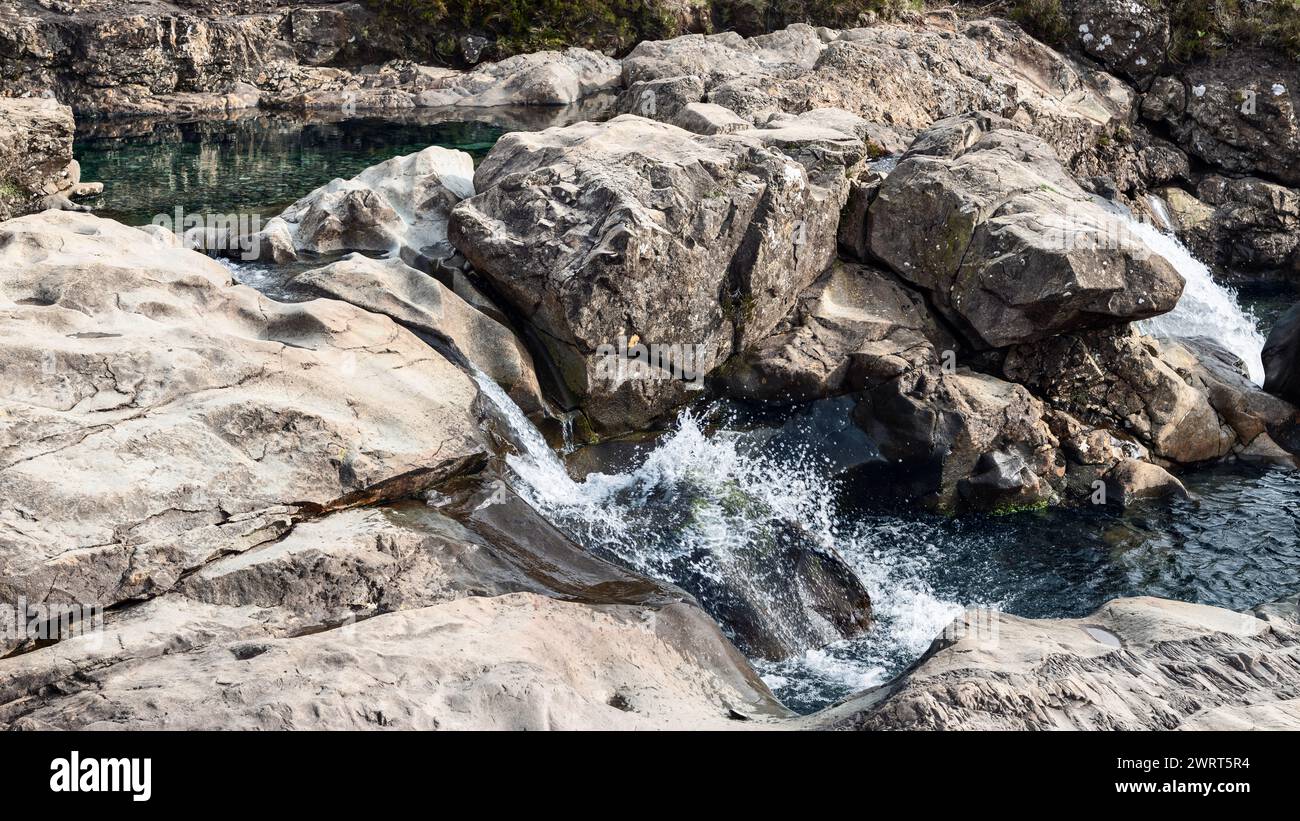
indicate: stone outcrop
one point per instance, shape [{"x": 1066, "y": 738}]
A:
[
  {"x": 199, "y": 418},
  {"x": 853, "y": 329},
  {"x": 987, "y": 221},
  {"x": 406, "y": 617},
  {"x": 1134, "y": 664},
  {"x": 639, "y": 230},
  {"x": 37, "y": 170},
  {"x": 1236, "y": 114},
  {"x": 421, "y": 303},
  {"x": 900, "y": 77}
]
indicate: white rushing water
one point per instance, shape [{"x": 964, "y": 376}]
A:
[
  {"x": 722, "y": 478},
  {"x": 1206, "y": 308}
]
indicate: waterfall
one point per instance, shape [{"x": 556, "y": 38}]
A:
[
  {"x": 1206, "y": 308},
  {"x": 698, "y": 504}
]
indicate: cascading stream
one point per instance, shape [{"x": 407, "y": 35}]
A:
[{"x": 1206, "y": 308}]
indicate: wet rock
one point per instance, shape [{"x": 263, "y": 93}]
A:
[
  {"x": 399, "y": 206},
  {"x": 600, "y": 233},
  {"x": 1282, "y": 357},
  {"x": 963, "y": 440},
  {"x": 1255, "y": 224},
  {"x": 853, "y": 329},
  {"x": 1008, "y": 246},
  {"x": 1132, "y": 480},
  {"x": 199, "y": 417},
  {"x": 1119, "y": 380},
  {"x": 1134, "y": 664}
]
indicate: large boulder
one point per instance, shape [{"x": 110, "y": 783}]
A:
[
  {"x": 542, "y": 78},
  {"x": 1134, "y": 664},
  {"x": 1282, "y": 357},
  {"x": 399, "y": 207},
  {"x": 421, "y": 303},
  {"x": 602, "y": 234},
  {"x": 1128, "y": 37},
  {"x": 853, "y": 329},
  {"x": 1010, "y": 249},
  {"x": 198, "y": 417}
]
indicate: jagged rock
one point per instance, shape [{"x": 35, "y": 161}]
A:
[
  {"x": 399, "y": 206},
  {"x": 903, "y": 77},
  {"x": 1134, "y": 664},
  {"x": 1236, "y": 113},
  {"x": 1132, "y": 479},
  {"x": 963, "y": 440},
  {"x": 1282, "y": 357},
  {"x": 198, "y": 417},
  {"x": 1255, "y": 224},
  {"x": 1118, "y": 379},
  {"x": 1008, "y": 246},
  {"x": 36, "y": 165},
  {"x": 1128, "y": 37},
  {"x": 853, "y": 329},
  {"x": 421, "y": 303},
  {"x": 634, "y": 228}
]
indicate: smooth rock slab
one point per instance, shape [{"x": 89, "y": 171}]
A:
[{"x": 155, "y": 414}]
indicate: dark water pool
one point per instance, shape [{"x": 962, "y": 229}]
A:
[{"x": 255, "y": 165}]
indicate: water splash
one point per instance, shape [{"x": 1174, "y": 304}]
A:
[
  {"x": 1206, "y": 309},
  {"x": 699, "y": 500}
]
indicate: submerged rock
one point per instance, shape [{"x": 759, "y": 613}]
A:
[
  {"x": 199, "y": 417},
  {"x": 1135, "y": 664},
  {"x": 1011, "y": 250},
  {"x": 606, "y": 234}
]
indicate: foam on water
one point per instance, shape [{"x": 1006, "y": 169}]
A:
[
  {"x": 1207, "y": 308},
  {"x": 723, "y": 477}
]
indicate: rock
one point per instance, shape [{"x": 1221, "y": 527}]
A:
[
  {"x": 1254, "y": 226},
  {"x": 697, "y": 245},
  {"x": 1128, "y": 37},
  {"x": 1190, "y": 216},
  {"x": 422, "y": 304},
  {"x": 853, "y": 329},
  {"x": 542, "y": 78},
  {"x": 1250, "y": 413},
  {"x": 1282, "y": 357},
  {"x": 709, "y": 118},
  {"x": 963, "y": 440},
  {"x": 1236, "y": 113},
  {"x": 200, "y": 417},
  {"x": 661, "y": 99},
  {"x": 399, "y": 206},
  {"x": 1118, "y": 379},
  {"x": 1009, "y": 248},
  {"x": 515, "y": 662},
  {"x": 1133, "y": 479},
  {"x": 35, "y": 154},
  {"x": 900, "y": 76},
  {"x": 1134, "y": 664}
]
